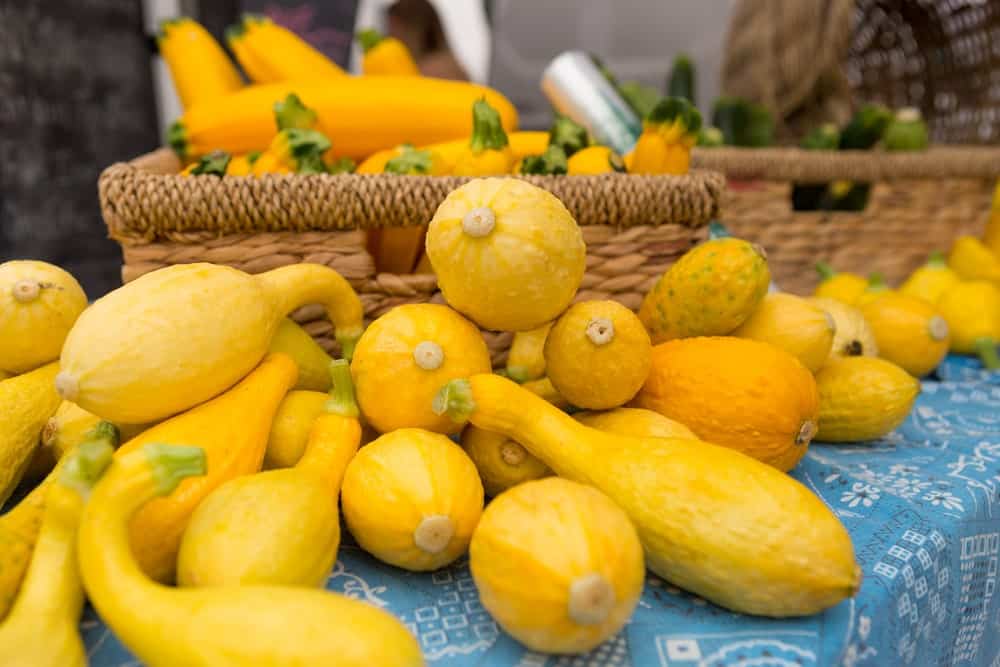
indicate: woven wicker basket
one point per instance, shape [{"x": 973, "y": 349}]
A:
[
  {"x": 920, "y": 203},
  {"x": 634, "y": 226}
]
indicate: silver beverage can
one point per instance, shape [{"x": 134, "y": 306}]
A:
[{"x": 578, "y": 89}]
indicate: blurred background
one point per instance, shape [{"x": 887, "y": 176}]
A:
[{"x": 81, "y": 85}]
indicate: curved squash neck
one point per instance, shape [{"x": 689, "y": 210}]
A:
[{"x": 333, "y": 442}]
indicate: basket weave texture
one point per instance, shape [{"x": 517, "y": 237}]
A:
[{"x": 634, "y": 226}]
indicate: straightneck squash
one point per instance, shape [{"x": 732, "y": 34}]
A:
[
  {"x": 181, "y": 335},
  {"x": 41, "y": 629},
  {"x": 39, "y": 303},
  {"x": 312, "y": 360},
  {"x": 488, "y": 152},
  {"x": 216, "y": 627},
  {"x": 557, "y": 564},
  {"x": 233, "y": 430},
  {"x": 26, "y": 403},
  {"x": 385, "y": 55},
  {"x": 412, "y": 499},
  {"x": 281, "y": 526},
  {"x": 712, "y": 520}
]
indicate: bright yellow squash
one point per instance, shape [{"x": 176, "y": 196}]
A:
[
  {"x": 228, "y": 626},
  {"x": 233, "y": 430},
  {"x": 576, "y": 554},
  {"x": 181, "y": 335},
  {"x": 41, "y": 629},
  {"x": 862, "y": 398},
  {"x": 598, "y": 355},
  {"x": 19, "y": 527},
  {"x": 507, "y": 254},
  {"x": 290, "y": 427},
  {"x": 669, "y": 131},
  {"x": 312, "y": 360},
  {"x": 39, "y": 303},
  {"x": 853, "y": 336},
  {"x": 502, "y": 463},
  {"x": 877, "y": 288},
  {"x": 798, "y": 327},
  {"x": 931, "y": 280},
  {"x": 526, "y": 359},
  {"x": 710, "y": 291},
  {"x": 488, "y": 152},
  {"x": 360, "y": 115},
  {"x": 971, "y": 259},
  {"x": 26, "y": 403},
  {"x": 594, "y": 160},
  {"x": 405, "y": 356},
  {"x": 711, "y": 520},
  {"x": 199, "y": 68},
  {"x": 412, "y": 499},
  {"x": 282, "y": 54},
  {"x": 909, "y": 331},
  {"x": 738, "y": 393},
  {"x": 840, "y": 286},
  {"x": 635, "y": 422},
  {"x": 972, "y": 310},
  {"x": 278, "y": 527},
  {"x": 385, "y": 55}
]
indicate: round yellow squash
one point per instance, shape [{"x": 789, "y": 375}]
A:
[
  {"x": 798, "y": 327},
  {"x": 862, "y": 398},
  {"x": 972, "y": 310},
  {"x": 598, "y": 354},
  {"x": 635, "y": 422},
  {"x": 710, "y": 291},
  {"x": 403, "y": 359},
  {"x": 507, "y": 254},
  {"x": 558, "y": 565},
  {"x": 930, "y": 281},
  {"x": 853, "y": 336},
  {"x": 502, "y": 463},
  {"x": 39, "y": 303},
  {"x": 910, "y": 332},
  {"x": 743, "y": 394},
  {"x": 412, "y": 498},
  {"x": 844, "y": 287}
]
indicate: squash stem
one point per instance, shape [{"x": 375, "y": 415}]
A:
[
  {"x": 936, "y": 259},
  {"x": 455, "y": 400},
  {"x": 342, "y": 401},
  {"x": 171, "y": 464},
  {"x": 986, "y": 348},
  {"x": 487, "y": 130},
  {"x": 825, "y": 271},
  {"x": 91, "y": 457},
  {"x": 368, "y": 39}
]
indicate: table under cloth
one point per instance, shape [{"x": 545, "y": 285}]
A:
[{"x": 920, "y": 507}]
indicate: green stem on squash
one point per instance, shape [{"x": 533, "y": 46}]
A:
[
  {"x": 91, "y": 457},
  {"x": 487, "y": 130},
  {"x": 171, "y": 464},
  {"x": 341, "y": 401},
  {"x": 825, "y": 271},
  {"x": 368, "y": 39},
  {"x": 986, "y": 348},
  {"x": 455, "y": 400}
]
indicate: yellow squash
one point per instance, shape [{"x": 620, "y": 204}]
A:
[
  {"x": 574, "y": 552},
  {"x": 635, "y": 422},
  {"x": 862, "y": 398},
  {"x": 877, "y": 288},
  {"x": 972, "y": 310},
  {"x": 853, "y": 336},
  {"x": 598, "y": 355},
  {"x": 738, "y": 393},
  {"x": 181, "y": 335},
  {"x": 39, "y": 303},
  {"x": 385, "y": 55},
  {"x": 501, "y": 462},
  {"x": 232, "y": 429},
  {"x": 798, "y": 327},
  {"x": 405, "y": 356},
  {"x": 972, "y": 259},
  {"x": 526, "y": 359},
  {"x": 312, "y": 360},
  {"x": 41, "y": 629},
  {"x": 290, "y": 427},
  {"x": 26, "y": 403},
  {"x": 711, "y": 520},
  {"x": 507, "y": 254},
  {"x": 669, "y": 132},
  {"x": 930, "y": 281},
  {"x": 199, "y": 68},
  {"x": 278, "y": 527},
  {"x": 360, "y": 115},
  {"x": 594, "y": 160},
  {"x": 710, "y": 291},
  {"x": 228, "y": 626},
  {"x": 242, "y": 165},
  {"x": 488, "y": 152},
  {"x": 412, "y": 499},
  {"x": 909, "y": 331},
  {"x": 843, "y": 287},
  {"x": 281, "y": 53}
]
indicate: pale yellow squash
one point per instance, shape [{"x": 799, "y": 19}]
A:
[
  {"x": 229, "y": 626},
  {"x": 507, "y": 254},
  {"x": 405, "y": 356},
  {"x": 181, "y": 335},
  {"x": 862, "y": 398},
  {"x": 39, "y": 303},
  {"x": 930, "y": 281},
  {"x": 635, "y": 422},
  {"x": 711, "y": 520},
  {"x": 412, "y": 499},
  {"x": 853, "y": 336},
  {"x": 502, "y": 462},
  {"x": 290, "y": 427},
  {"x": 798, "y": 327},
  {"x": 312, "y": 360},
  {"x": 526, "y": 359},
  {"x": 575, "y": 555},
  {"x": 598, "y": 354},
  {"x": 26, "y": 403}
]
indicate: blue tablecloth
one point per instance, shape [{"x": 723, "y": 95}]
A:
[{"x": 919, "y": 505}]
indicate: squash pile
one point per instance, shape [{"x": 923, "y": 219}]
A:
[{"x": 196, "y": 449}]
